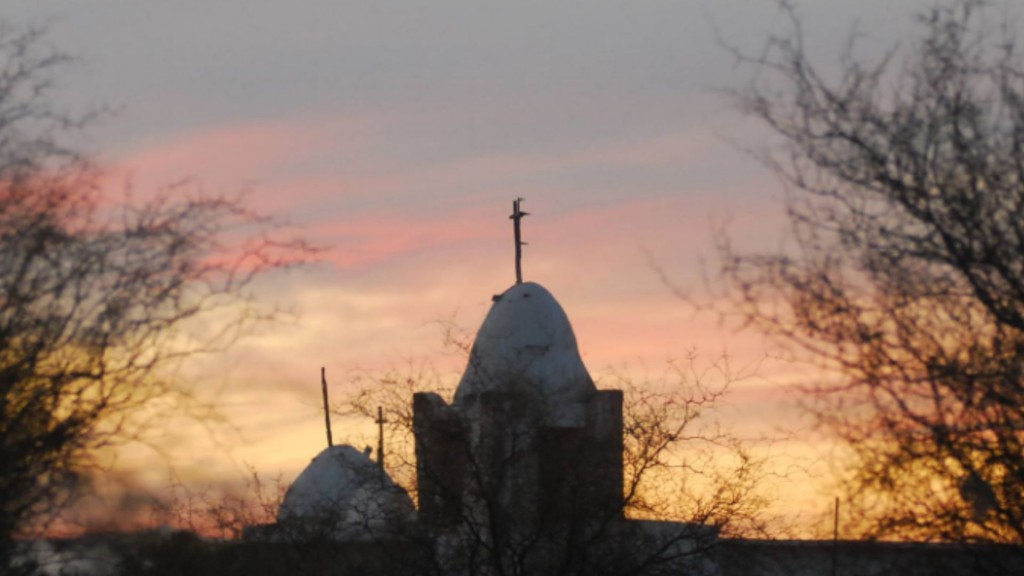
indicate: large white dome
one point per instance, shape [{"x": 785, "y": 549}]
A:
[
  {"x": 527, "y": 343},
  {"x": 345, "y": 495}
]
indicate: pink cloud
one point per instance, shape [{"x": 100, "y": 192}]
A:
[
  {"x": 369, "y": 213},
  {"x": 374, "y": 237},
  {"x": 258, "y": 157}
]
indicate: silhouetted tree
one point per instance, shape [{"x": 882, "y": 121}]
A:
[
  {"x": 905, "y": 181},
  {"x": 99, "y": 294}
]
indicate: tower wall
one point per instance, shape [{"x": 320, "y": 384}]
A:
[
  {"x": 441, "y": 459},
  {"x": 604, "y": 430},
  {"x": 495, "y": 452},
  {"x": 581, "y": 468}
]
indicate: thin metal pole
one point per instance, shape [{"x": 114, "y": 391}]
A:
[
  {"x": 327, "y": 410},
  {"x": 380, "y": 437},
  {"x": 835, "y": 539}
]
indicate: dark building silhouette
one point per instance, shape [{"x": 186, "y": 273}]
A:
[
  {"x": 525, "y": 467},
  {"x": 527, "y": 430}
]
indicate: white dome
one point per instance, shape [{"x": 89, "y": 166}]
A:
[
  {"x": 526, "y": 342},
  {"x": 344, "y": 493}
]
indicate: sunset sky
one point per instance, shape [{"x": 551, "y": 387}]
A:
[{"x": 397, "y": 134}]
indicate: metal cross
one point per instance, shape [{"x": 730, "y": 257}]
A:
[{"x": 516, "y": 216}]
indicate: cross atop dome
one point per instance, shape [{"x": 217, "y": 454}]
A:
[{"x": 516, "y": 217}]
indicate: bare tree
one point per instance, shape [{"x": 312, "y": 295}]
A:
[
  {"x": 99, "y": 295},
  {"x": 905, "y": 180}
]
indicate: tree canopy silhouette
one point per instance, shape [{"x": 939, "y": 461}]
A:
[
  {"x": 905, "y": 181},
  {"x": 99, "y": 292}
]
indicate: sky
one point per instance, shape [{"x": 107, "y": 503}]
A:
[{"x": 397, "y": 134}]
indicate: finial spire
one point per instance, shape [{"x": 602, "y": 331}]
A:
[
  {"x": 516, "y": 216},
  {"x": 380, "y": 436},
  {"x": 327, "y": 409}
]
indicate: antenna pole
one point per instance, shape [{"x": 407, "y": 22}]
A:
[
  {"x": 517, "y": 216},
  {"x": 327, "y": 411},
  {"x": 380, "y": 437},
  {"x": 835, "y": 539}
]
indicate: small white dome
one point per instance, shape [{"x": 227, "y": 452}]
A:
[
  {"x": 526, "y": 342},
  {"x": 344, "y": 493}
]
